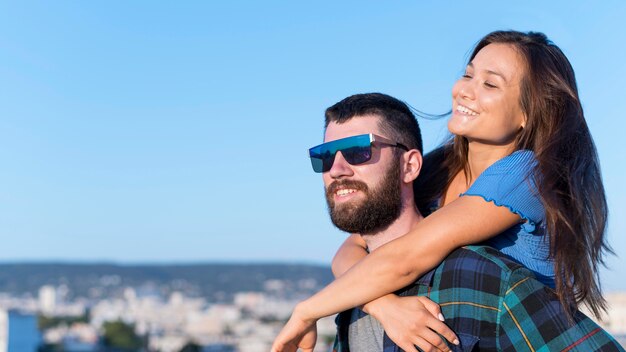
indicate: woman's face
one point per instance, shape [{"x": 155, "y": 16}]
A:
[{"x": 485, "y": 101}]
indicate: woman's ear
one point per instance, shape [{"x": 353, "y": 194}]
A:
[{"x": 412, "y": 165}]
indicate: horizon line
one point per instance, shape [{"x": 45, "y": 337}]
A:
[{"x": 160, "y": 262}]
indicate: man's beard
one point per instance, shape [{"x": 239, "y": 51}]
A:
[{"x": 380, "y": 208}]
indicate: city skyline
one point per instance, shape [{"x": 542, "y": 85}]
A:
[{"x": 176, "y": 132}]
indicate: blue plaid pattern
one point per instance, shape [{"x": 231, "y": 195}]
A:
[{"x": 495, "y": 304}]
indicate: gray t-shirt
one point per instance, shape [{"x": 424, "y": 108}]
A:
[{"x": 365, "y": 334}]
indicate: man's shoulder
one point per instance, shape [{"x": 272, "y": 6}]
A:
[
  {"x": 480, "y": 257},
  {"x": 472, "y": 270},
  {"x": 478, "y": 286},
  {"x": 478, "y": 267}
]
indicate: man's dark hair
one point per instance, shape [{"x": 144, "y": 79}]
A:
[{"x": 397, "y": 121}]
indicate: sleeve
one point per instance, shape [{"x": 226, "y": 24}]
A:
[
  {"x": 509, "y": 182},
  {"x": 532, "y": 319}
]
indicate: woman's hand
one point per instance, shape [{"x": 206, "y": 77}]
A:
[
  {"x": 412, "y": 321},
  {"x": 297, "y": 333}
]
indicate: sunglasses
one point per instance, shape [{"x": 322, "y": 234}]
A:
[{"x": 355, "y": 150}]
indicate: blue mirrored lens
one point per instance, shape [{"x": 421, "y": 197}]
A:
[
  {"x": 357, "y": 155},
  {"x": 355, "y": 149}
]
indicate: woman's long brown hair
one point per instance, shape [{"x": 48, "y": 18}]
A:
[{"x": 567, "y": 173}]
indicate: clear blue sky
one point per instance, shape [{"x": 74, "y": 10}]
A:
[{"x": 177, "y": 131}]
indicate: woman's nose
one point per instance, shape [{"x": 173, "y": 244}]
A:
[{"x": 467, "y": 89}]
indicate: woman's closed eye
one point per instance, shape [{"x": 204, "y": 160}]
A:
[{"x": 489, "y": 84}]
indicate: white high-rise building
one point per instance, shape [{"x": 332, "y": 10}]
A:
[
  {"x": 47, "y": 299},
  {"x": 4, "y": 330}
]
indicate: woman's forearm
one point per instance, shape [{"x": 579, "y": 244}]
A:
[
  {"x": 381, "y": 272},
  {"x": 349, "y": 254},
  {"x": 401, "y": 261}
]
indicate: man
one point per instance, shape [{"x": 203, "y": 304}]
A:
[{"x": 371, "y": 156}]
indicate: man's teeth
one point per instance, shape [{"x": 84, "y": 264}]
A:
[
  {"x": 465, "y": 110},
  {"x": 343, "y": 192}
]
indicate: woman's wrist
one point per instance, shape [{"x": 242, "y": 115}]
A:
[
  {"x": 374, "y": 307},
  {"x": 303, "y": 313}
]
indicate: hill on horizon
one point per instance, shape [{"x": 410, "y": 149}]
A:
[{"x": 216, "y": 282}]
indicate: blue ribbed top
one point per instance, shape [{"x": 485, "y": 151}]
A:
[{"x": 509, "y": 182}]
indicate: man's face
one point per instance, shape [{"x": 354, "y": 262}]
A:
[{"x": 362, "y": 198}]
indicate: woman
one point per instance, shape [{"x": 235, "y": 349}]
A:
[{"x": 517, "y": 120}]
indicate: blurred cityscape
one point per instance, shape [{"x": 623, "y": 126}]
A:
[
  {"x": 75, "y": 311},
  {"x": 168, "y": 308}
]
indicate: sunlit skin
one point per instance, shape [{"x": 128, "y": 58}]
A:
[
  {"x": 487, "y": 112},
  {"x": 485, "y": 100},
  {"x": 370, "y": 172},
  {"x": 419, "y": 309}
]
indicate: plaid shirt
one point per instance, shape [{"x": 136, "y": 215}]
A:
[{"x": 495, "y": 304}]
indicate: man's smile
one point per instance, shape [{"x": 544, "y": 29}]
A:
[
  {"x": 345, "y": 194},
  {"x": 342, "y": 191}
]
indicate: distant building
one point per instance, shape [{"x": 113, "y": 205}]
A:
[
  {"x": 616, "y": 319},
  {"x": 47, "y": 299},
  {"x": 18, "y": 332},
  {"x": 4, "y": 331}
]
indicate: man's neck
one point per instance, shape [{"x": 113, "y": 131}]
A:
[{"x": 407, "y": 220}]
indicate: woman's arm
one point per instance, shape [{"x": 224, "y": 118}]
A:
[
  {"x": 352, "y": 250},
  {"x": 408, "y": 321},
  {"x": 466, "y": 220}
]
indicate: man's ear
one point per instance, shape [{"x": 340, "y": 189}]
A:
[{"x": 411, "y": 165}]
